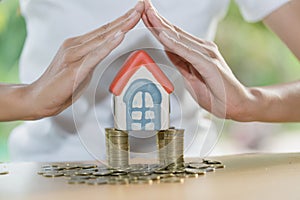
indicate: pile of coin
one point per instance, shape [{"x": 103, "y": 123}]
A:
[
  {"x": 170, "y": 147},
  {"x": 92, "y": 174},
  {"x": 117, "y": 148},
  {"x": 170, "y": 169}
]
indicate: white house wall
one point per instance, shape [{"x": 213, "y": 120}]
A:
[{"x": 120, "y": 106}]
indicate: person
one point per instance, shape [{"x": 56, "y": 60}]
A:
[{"x": 54, "y": 138}]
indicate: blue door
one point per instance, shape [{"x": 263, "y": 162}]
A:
[{"x": 143, "y": 106}]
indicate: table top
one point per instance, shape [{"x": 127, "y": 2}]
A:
[{"x": 246, "y": 176}]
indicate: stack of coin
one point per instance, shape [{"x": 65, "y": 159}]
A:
[
  {"x": 170, "y": 147},
  {"x": 117, "y": 148}
]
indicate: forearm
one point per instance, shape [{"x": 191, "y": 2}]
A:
[
  {"x": 279, "y": 103},
  {"x": 285, "y": 23},
  {"x": 13, "y": 103}
]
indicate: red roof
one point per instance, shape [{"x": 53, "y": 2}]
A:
[{"x": 136, "y": 60}]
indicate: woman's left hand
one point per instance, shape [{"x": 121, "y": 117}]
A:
[{"x": 208, "y": 77}]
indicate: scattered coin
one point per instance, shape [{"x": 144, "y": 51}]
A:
[
  {"x": 4, "y": 172},
  {"x": 186, "y": 175},
  {"x": 195, "y": 171},
  {"x": 170, "y": 169},
  {"x": 96, "y": 181},
  {"x": 102, "y": 173},
  {"x": 141, "y": 181},
  {"x": 87, "y": 166},
  {"x": 118, "y": 182},
  {"x": 69, "y": 173},
  {"x": 76, "y": 181},
  {"x": 211, "y": 162},
  {"x": 210, "y": 169},
  {"x": 218, "y": 166},
  {"x": 198, "y": 165},
  {"x": 172, "y": 180},
  {"x": 76, "y": 177},
  {"x": 53, "y": 174},
  {"x": 84, "y": 173}
]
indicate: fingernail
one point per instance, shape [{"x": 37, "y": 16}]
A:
[
  {"x": 139, "y": 6},
  {"x": 118, "y": 34},
  {"x": 138, "y": 2}
]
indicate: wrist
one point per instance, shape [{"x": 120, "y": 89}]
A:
[
  {"x": 25, "y": 102},
  {"x": 258, "y": 105},
  {"x": 31, "y": 103},
  {"x": 13, "y": 102},
  {"x": 252, "y": 107}
]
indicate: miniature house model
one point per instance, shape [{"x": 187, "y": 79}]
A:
[{"x": 141, "y": 95}]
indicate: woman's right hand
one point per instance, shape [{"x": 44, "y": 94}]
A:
[{"x": 72, "y": 68}]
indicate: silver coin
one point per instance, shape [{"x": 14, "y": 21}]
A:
[
  {"x": 198, "y": 165},
  {"x": 53, "y": 174},
  {"x": 141, "y": 181},
  {"x": 87, "y": 166},
  {"x": 118, "y": 182},
  {"x": 162, "y": 176},
  {"x": 211, "y": 162},
  {"x": 77, "y": 177},
  {"x": 210, "y": 169},
  {"x": 218, "y": 166},
  {"x": 195, "y": 171},
  {"x": 102, "y": 173},
  {"x": 76, "y": 181},
  {"x": 172, "y": 180},
  {"x": 185, "y": 175},
  {"x": 84, "y": 172},
  {"x": 96, "y": 181}
]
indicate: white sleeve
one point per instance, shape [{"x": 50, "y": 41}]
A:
[{"x": 256, "y": 10}]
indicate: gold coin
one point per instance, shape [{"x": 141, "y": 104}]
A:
[{"x": 4, "y": 172}]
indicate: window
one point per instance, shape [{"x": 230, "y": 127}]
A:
[{"x": 143, "y": 101}]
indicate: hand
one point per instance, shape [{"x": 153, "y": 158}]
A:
[
  {"x": 72, "y": 68},
  {"x": 208, "y": 77}
]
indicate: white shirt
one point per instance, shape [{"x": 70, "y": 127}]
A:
[{"x": 50, "y": 22}]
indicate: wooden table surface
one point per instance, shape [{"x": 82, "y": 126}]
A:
[{"x": 248, "y": 176}]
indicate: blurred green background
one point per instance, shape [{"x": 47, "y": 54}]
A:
[
  {"x": 12, "y": 36},
  {"x": 256, "y": 56}
]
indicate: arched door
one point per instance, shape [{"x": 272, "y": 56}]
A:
[{"x": 143, "y": 106}]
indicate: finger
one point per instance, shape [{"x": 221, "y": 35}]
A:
[
  {"x": 137, "y": 10},
  {"x": 150, "y": 26},
  {"x": 91, "y": 60},
  {"x": 193, "y": 56},
  {"x": 162, "y": 25},
  {"x": 77, "y": 52},
  {"x": 177, "y": 60},
  {"x": 179, "y": 30},
  {"x": 149, "y": 6},
  {"x": 77, "y": 92},
  {"x": 184, "y": 67},
  {"x": 157, "y": 22}
]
